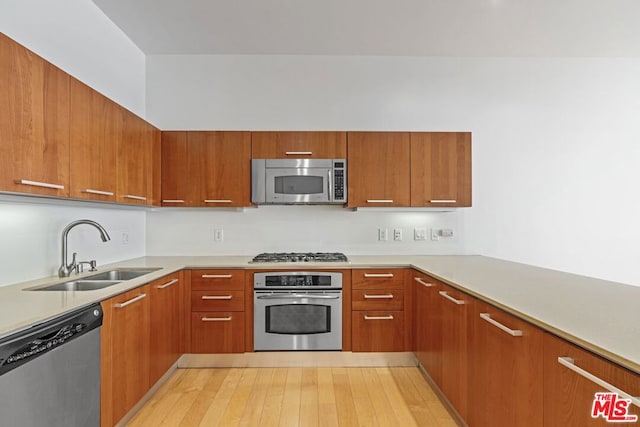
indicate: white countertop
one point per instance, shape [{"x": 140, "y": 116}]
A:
[{"x": 601, "y": 316}]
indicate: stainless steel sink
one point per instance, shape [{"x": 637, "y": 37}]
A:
[
  {"x": 121, "y": 274},
  {"x": 79, "y": 285},
  {"x": 97, "y": 281}
]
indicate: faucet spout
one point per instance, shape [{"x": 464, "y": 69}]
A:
[{"x": 66, "y": 269}]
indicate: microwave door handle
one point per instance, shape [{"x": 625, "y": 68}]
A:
[{"x": 329, "y": 186}]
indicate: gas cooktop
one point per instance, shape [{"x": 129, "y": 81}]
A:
[{"x": 300, "y": 257}]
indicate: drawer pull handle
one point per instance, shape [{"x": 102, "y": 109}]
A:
[
  {"x": 218, "y": 201},
  {"x": 100, "y": 192},
  {"x": 379, "y": 200},
  {"x": 450, "y": 298},
  {"x": 568, "y": 362},
  {"x": 422, "y": 282},
  {"x": 172, "y": 201},
  {"x": 205, "y": 297},
  {"x": 298, "y": 153},
  {"x": 131, "y": 196},
  {"x": 387, "y": 296},
  {"x": 217, "y": 276},
  {"x": 389, "y": 317},
  {"x": 442, "y": 201},
  {"x": 166, "y": 285},
  {"x": 40, "y": 184},
  {"x": 512, "y": 332},
  {"x": 131, "y": 301},
  {"x": 378, "y": 275},
  {"x": 216, "y": 319}
]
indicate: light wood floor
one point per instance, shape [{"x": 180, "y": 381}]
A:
[{"x": 295, "y": 397}]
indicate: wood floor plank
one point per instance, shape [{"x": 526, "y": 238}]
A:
[
  {"x": 347, "y": 415},
  {"x": 253, "y": 410},
  {"x": 309, "y": 398},
  {"x": 273, "y": 403},
  {"x": 389, "y": 396},
  {"x": 214, "y": 413},
  {"x": 399, "y": 405},
  {"x": 327, "y": 411},
  {"x": 204, "y": 399},
  {"x": 362, "y": 402},
  {"x": 290, "y": 412}
]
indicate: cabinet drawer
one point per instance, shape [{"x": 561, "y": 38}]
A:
[
  {"x": 377, "y": 299},
  {"x": 202, "y": 280},
  {"x": 377, "y": 331},
  {"x": 216, "y": 300},
  {"x": 217, "y": 332},
  {"x": 383, "y": 279}
]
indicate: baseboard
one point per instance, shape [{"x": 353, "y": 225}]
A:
[{"x": 289, "y": 359}]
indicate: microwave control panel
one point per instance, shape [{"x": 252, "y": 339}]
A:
[{"x": 339, "y": 179}]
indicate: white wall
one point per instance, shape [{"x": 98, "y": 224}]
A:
[
  {"x": 31, "y": 233},
  {"x": 78, "y": 38},
  {"x": 296, "y": 228},
  {"x": 554, "y": 142}
]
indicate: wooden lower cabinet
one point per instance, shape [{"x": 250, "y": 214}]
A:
[
  {"x": 377, "y": 331},
  {"x": 217, "y": 332},
  {"x": 125, "y": 353},
  {"x": 167, "y": 324},
  {"x": 569, "y": 396},
  {"x": 428, "y": 325},
  {"x": 505, "y": 370}
]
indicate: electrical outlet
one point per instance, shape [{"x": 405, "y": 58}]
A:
[
  {"x": 435, "y": 234},
  {"x": 397, "y": 234},
  {"x": 383, "y": 234},
  {"x": 419, "y": 234},
  {"x": 125, "y": 238},
  {"x": 446, "y": 232},
  {"x": 218, "y": 235}
]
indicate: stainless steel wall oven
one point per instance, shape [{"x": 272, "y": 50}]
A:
[{"x": 297, "y": 311}]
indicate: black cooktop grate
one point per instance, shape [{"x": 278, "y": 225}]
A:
[{"x": 300, "y": 257}]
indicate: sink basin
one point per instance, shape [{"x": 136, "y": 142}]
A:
[
  {"x": 79, "y": 285},
  {"x": 121, "y": 274}
]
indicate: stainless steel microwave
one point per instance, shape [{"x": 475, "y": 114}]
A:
[{"x": 298, "y": 181}]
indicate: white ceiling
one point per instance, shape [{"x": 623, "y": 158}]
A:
[{"x": 550, "y": 28}]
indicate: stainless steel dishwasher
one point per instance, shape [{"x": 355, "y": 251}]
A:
[{"x": 50, "y": 373}]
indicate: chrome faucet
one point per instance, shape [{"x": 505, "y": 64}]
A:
[{"x": 65, "y": 269}]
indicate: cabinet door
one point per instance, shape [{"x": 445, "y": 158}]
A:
[
  {"x": 217, "y": 332},
  {"x": 180, "y": 182},
  {"x": 505, "y": 360},
  {"x": 377, "y": 331},
  {"x": 378, "y": 169},
  {"x": 440, "y": 169},
  {"x": 125, "y": 353},
  {"x": 569, "y": 395},
  {"x": 34, "y": 123},
  {"x": 429, "y": 326},
  {"x": 135, "y": 160},
  {"x": 97, "y": 124},
  {"x": 222, "y": 160},
  {"x": 167, "y": 324},
  {"x": 455, "y": 307},
  {"x": 293, "y": 145}
]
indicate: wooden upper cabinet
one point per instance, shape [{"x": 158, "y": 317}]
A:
[
  {"x": 222, "y": 160},
  {"x": 177, "y": 177},
  {"x": 98, "y": 123},
  {"x": 34, "y": 123},
  {"x": 441, "y": 169},
  {"x": 135, "y": 162},
  {"x": 292, "y": 145},
  {"x": 378, "y": 169}
]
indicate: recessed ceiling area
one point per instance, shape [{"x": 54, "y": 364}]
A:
[{"x": 512, "y": 28}]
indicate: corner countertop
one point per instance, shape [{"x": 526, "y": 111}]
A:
[{"x": 599, "y": 315}]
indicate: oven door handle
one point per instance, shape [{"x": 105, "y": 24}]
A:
[{"x": 297, "y": 296}]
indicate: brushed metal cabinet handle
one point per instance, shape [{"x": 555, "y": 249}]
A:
[
  {"x": 216, "y": 319},
  {"x": 166, "y": 285},
  {"x": 100, "y": 192},
  {"x": 205, "y": 297},
  {"x": 442, "y": 201},
  {"x": 217, "y": 276},
  {"x": 379, "y": 200},
  {"x": 568, "y": 362},
  {"x": 389, "y": 317},
  {"x": 172, "y": 201},
  {"x": 378, "y": 275},
  {"x": 512, "y": 332},
  {"x": 40, "y": 184},
  {"x": 298, "y": 153},
  {"x": 422, "y": 282},
  {"x": 450, "y": 298},
  {"x": 387, "y": 296},
  {"x": 131, "y": 301},
  {"x": 218, "y": 201},
  {"x": 134, "y": 197}
]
